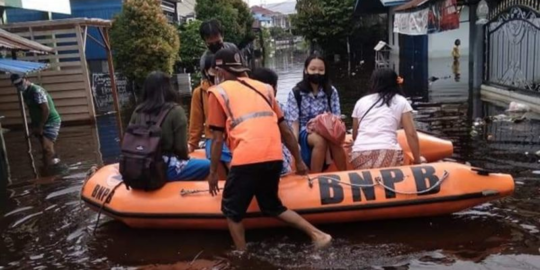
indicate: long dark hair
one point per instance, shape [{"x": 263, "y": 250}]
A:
[
  {"x": 384, "y": 82},
  {"x": 157, "y": 92},
  {"x": 305, "y": 86}
]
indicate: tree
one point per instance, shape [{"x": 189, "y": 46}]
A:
[
  {"x": 327, "y": 23},
  {"x": 192, "y": 45},
  {"x": 143, "y": 40},
  {"x": 234, "y": 15},
  {"x": 279, "y": 33}
]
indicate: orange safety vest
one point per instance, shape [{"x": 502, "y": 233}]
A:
[{"x": 252, "y": 125}]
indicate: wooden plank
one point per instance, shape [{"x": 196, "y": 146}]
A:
[
  {"x": 72, "y": 110},
  {"x": 57, "y": 73},
  {"x": 70, "y": 102},
  {"x": 50, "y": 56},
  {"x": 62, "y": 79},
  {"x": 12, "y": 113},
  {"x": 6, "y": 88},
  {"x": 66, "y": 64},
  {"x": 12, "y": 103},
  {"x": 76, "y": 117},
  {"x": 55, "y": 87},
  {"x": 54, "y": 24},
  {"x": 45, "y": 33},
  {"x": 52, "y": 41},
  {"x": 9, "y": 106},
  {"x": 58, "y": 56},
  {"x": 68, "y": 94},
  {"x": 67, "y": 48},
  {"x": 8, "y": 99}
]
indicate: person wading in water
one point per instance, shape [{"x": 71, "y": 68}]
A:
[{"x": 247, "y": 112}]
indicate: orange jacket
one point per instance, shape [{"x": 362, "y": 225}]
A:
[
  {"x": 198, "y": 115},
  {"x": 252, "y": 121}
]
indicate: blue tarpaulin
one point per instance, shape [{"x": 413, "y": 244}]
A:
[{"x": 21, "y": 67}]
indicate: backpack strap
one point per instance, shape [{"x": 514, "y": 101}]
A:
[
  {"x": 256, "y": 91},
  {"x": 380, "y": 98},
  {"x": 162, "y": 114}
]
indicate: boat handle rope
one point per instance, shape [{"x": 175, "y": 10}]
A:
[
  {"x": 379, "y": 182},
  {"x": 107, "y": 200},
  {"x": 185, "y": 192}
]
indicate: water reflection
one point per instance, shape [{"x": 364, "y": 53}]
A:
[{"x": 43, "y": 225}]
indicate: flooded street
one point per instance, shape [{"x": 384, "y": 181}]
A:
[{"x": 44, "y": 225}]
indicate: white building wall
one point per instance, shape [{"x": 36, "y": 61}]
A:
[{"x": 440, "y": 45}]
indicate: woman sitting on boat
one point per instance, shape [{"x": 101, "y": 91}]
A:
[
  {"x": 376, "y": 119},
  {"x": 312, "y": 96},
  {"x": 158, "y": 93}
]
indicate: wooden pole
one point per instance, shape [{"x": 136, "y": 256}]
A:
[
  {"x": 4, "y": 165},
  {"x": 105, "y": 35},
  {"x": 25, "y": 123}
]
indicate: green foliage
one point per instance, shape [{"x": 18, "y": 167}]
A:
[
  {"x": 143, "y": 40},
  {"x": 192, "y": 45},
  {"x": 235, "y": 18},
  {"x": 279, "y": 33},
  {"x": 325, "y": 22}
]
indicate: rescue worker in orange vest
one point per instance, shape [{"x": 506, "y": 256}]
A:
[{"x": 247, "y": 112}]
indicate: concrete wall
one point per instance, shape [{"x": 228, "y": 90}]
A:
[
  {"x": 441, "y": 44},
  {"x": 506, "y": 96}
]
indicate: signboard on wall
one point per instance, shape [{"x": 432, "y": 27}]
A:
[
  {"x": 56, "y": 6},
  {"x": 437, "y": 17},
  {"x": 102, "y": 92}
]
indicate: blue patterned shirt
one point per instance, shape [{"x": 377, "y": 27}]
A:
[
  {"x": 311, "y": 107},
  {"x": 287, "y": 156}
]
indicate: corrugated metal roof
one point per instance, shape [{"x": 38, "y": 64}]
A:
[
  {"x": 21, "y": 67},
  {"x": 16, "y": 42},
  {"x": 412, "y": 4}
]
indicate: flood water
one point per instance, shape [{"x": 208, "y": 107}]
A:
[{"x": 43, "y": 224}]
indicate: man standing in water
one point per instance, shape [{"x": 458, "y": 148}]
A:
[
  {"x": 247, "y": 111},
  {"x": 45, "y": 119},
  {"x": 455, "y": 64}
]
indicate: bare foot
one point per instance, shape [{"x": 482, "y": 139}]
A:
[{"x": 323, "y": 241}]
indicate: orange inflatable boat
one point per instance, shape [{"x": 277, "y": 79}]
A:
[{"x": 331, "y": 197}]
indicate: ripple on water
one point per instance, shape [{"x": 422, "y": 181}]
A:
[
  {"x": 18, "y": 210},
  {"x": 76, "y": 234},
  {"x": 530, "y": 228},
  {"x": 20, "y": 221},
  {"x": 63, "y": 192}
]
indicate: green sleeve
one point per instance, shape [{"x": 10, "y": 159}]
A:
[{"x": 180, "y": 133}]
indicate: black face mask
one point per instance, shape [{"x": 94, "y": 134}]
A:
[
  {"x": 316, "y": 78},
  {"x": 215, "y": 47}
]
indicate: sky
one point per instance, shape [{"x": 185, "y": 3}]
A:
[{"x": 258, "y": 2}]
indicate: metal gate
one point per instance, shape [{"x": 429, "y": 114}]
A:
[{"x": 513, "y": 46}]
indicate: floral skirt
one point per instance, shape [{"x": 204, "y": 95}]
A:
[{"x": 373, "y": 159}]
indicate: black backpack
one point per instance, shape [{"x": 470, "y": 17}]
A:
[
  {"x": 141, "y": 162},
  {"x": 296, "y": 91}
]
